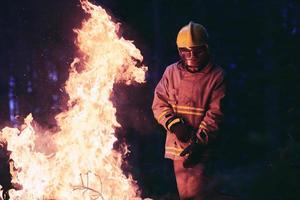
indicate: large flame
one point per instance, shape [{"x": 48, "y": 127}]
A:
[{"x": 78, "y": 161}]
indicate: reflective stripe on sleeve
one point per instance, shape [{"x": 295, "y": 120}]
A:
[
  {"x": 203, "y": 125},
  {"x": 203, "y": 128},
  {"x": 164, "y": 112},
  {"x": 177, "y": 120}
]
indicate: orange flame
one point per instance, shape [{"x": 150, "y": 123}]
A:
[{"x": 78, "y": 162}]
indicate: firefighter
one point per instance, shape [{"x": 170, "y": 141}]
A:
[{"x": 188, "y": 104}]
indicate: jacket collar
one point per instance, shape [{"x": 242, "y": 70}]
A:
[{"x": 205, "y": 70}]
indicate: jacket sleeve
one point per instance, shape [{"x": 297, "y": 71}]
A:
[
  {"x": 214, "y": 114},
  {"x": 162, "y": 110}
]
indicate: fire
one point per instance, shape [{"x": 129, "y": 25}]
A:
[{"x": 78, "y": 161}]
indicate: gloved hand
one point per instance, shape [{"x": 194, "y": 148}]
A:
[
  {"x": 194, "y": 156},
  {"x": 182, "y": 131},
  {"x": 202, "y": 136},
  {"x": 195, "y": 150}
]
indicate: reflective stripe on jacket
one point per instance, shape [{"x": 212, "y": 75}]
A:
[{"x": 196, "y": 97}]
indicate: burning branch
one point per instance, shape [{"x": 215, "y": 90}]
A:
[{"x": 85, "y": 186}]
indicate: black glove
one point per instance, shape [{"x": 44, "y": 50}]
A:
[
  {"x": 194, "y": 156},
  {"x": 182, "y": 131},
  {"x": 194, "y": 151}
]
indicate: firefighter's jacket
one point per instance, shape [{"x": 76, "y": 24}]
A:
[{"x": 195, "y": 97}]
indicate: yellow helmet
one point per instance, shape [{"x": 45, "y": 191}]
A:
[{"x": 192, "y": 35}]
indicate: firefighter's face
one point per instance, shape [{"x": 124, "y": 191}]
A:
[{"x": 195, "y": 57}]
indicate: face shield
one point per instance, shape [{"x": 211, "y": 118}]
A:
[{"x": 194, "y": 57}]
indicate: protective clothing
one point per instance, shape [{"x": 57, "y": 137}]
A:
[
  {"x": 190, "y": 91},
  {"x": 182, "y": 131},
  {"x": 195, "y": 97},
  {"x": 194, "y": 184},
  {"x": 190, "y": 181},
  {"x": 194, "y": 155},
  {"x": 194, "y": 58},
  {"x": 192, "y": 46},
  {"x": 192, "y": 35}
]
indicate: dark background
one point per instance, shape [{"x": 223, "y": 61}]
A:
[{"x": 256, "y": 42}]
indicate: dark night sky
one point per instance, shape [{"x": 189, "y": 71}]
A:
[{"x": 256, "y": 42}]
